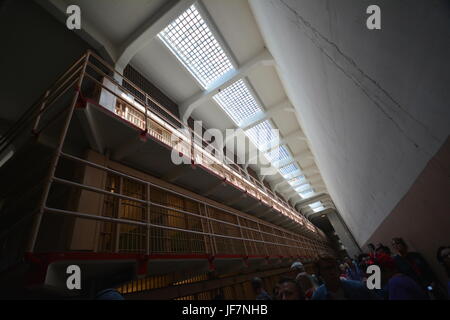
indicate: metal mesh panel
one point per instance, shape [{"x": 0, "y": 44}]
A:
[
  {"x": 262, "y": 134},
  {"x": 191, "y": 40},
  {"x": 237, "y": 101}
]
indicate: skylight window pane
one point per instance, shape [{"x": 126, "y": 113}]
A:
[
  {"x": 191, "y": 40},
  {"x": 287, "y": 170},
  {"x": 278, "y": 154},
  {"x": 303, "y": 187},
  {"x": 237, "y": 101},
  {"x": 319, "y": 209},
  {"x": 315, "y": 204},
  {"x": 262, "y": 134},
  {"x": 307, "y": 193},
  {"x": 297, "y": 180}
]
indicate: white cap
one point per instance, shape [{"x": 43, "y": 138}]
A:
[{"x": 297, "y": 265}]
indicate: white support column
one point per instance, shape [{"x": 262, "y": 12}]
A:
[
  {"x": 295, "y": 158},
  {"x": 305, "y": 202},
  {"x": 263, "y": 116},
  {"x": 298, "y": 134},
  {"x": 150, "y": 29},
  {"x": 277, "y": 185}
]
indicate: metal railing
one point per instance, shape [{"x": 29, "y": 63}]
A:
[
  {"x": 134, "y": 221},
  {"x": 208, "y": 235},
  {"x": 187, "y": 141}
]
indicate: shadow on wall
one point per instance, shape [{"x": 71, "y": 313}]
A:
[
  {"x": 422, "y": 217},
  {"x": 38, "y": 49}
]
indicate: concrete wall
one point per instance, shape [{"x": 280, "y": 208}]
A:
[
  {"x": 422, "y": 217},
  {"x": 85, "y": 232},
  {"x": 344, "y": 234},
  {"x": 36, "y": 48},
  {"x": 373, "y": 104}
]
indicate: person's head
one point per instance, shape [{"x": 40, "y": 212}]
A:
[
  {"x": 298, "y": 267},
  {"x": 343, "y": 268},
  {"x": 379, "y": 248},
  {"x": 443, "y": 256},
  {"x": 387, "y": 267},
  {"x": 304, "y": 281},
  {"x": 348, "y": 261},
  {"x": 109, "y": 294},
  {"x": 362, "y": 257},
  {"x": 386, "y": 250},
  {"x": 371, "y": 247},
  {"x": 290, "y": 290},
  {"x": 276, "y": 292},
  {"x": 257, "y": 284},
  {"x": 399, "y": 245},
  {"x": 328, "y": 269}
]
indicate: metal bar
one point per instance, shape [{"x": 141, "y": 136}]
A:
[
  {"x": 98, "y": 190},
  {"x": 259, "y": 228},
  {"x": 240, "y": 171},
  {"x": 121, "y": 196},
  {"x": 38, "y": 218},
  {"x": 188, "y": 289},
  {"x": 147, "y": 186},
  {"x": 211, "y": 230},
  {"x": 94, "y": 165},
  {"x": 205, "y": 227},
  {"x": 242, "y": 235},
  {"x": 119, "y": 209},
  {"x": 38, "y": 118},
  {"x": 137, "y": 223},
  {"x": 39, "y": 100},
  {"x": 240, "y": 181},
  {"x": 175, "y": 118}
]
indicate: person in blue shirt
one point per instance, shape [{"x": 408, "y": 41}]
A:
[
  {"x": 335, "y": 288},
  {"x": 353, "y": 272},
  {"x": 261, "y": 294},
  {"x": 412, "y": 264},
  {"x": 109, "y": 294},
  {"x": 396, "y": 285}
]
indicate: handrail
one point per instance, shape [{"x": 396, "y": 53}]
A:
[
  {"x": 227, "y": 167},
  {"x": 132, "y": 178},
  {"x": 241, "y": 171},
  {"x": 52, "y": 94},
  {"x": 83, "y": 69}
]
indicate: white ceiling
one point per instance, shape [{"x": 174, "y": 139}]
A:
[
  {"x": 111, "y": 18},
  {"x": 159, "y": 66}
]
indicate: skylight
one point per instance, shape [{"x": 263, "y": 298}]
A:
[
  {"x": 237, "y": 101},
  {"x": 307, "y": 193},
  {"x": 317, "y": 206},
  {"x": 297, "y": 180},
  {"x": 262, "y": 134},
  {"x": 288, "y": 170},
  {"x": 303, "y": 187},
  {"x": 278, "y": 154},
  {"x": 193, "y": 43}
]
